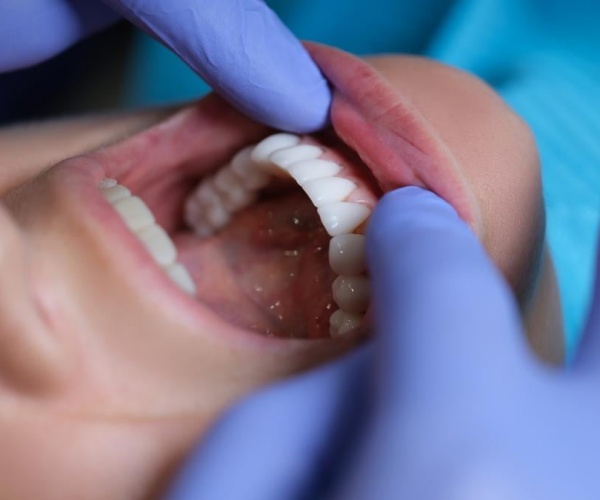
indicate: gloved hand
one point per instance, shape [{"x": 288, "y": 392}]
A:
[
  {"x": 240, "y": 47},
  {"x": 446, "y": 403}
]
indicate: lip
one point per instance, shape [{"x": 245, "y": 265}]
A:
[{"x": 384, "y": 129}]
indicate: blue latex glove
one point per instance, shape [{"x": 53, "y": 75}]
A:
[
  {"x": 447, "y": 403},
  {"x": 240, "y": 47}
]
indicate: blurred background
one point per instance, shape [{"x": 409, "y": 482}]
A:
[{"x": 540, "y": 55}]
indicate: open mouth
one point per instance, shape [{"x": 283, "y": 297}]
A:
[{"x": 268, "y": 233}]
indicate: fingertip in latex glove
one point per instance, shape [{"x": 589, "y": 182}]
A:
[
  {"x": 243, "y": 50},
  {"x": 447, "y": 404}
]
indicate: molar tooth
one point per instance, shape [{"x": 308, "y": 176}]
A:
[
  {"x": 307, "y": 170},
  {"x": 134, "y": 212},
  {"x": 181, "y": 277},
  {"x": 159, "y": 244},
  {"x": 347, "y": 254},
  {"x": 342, "y": 217},
  {"x": 328, "y": 190},
  {"x": 233, "y": 193},
  {"x": 342, "y": 322},
  {"x": 216, "y": 216},
  {"x": 351, "y": 293},
  {"x": 115, "y": 193},
  {"x": 266, "y": 147},
  {"x": 107, "y": 183},
  {"x": 251, "y": 176},
  {"x": 283, "y": 158}
]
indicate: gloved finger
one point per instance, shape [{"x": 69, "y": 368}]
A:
[
  {"x": 445, "y": 318},
  {"x": 243, "y": 50},
  {"x": 34, "y": 30},
  {"x": 588, "y": 357},
  {"x": 282, "y": 442}
]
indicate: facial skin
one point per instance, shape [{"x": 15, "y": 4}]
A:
[{"x": 109, "y": 375}]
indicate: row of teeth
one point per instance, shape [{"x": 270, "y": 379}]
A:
[
  {"x": 236, "y": 185},
  {"x": 140, "y": 220}
]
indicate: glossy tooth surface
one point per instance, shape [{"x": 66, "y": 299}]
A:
[
  {"x": 251, "y": 177},
  {"x": 307, "y": 170},
  {"x": 115, "y": 193},
  {"x": 134, "y": 212},
  {"x": 342, "y": 217},
  {"x": 181, "y": 277},
  {"x": 328, "y": 190},
  {"x": 285, "y": 157},
  {"x": 342, "y": 322},
  {"x": 159, "y": 244},
  {"x": 347, "y": 254},
  {"x": 351, "y": 293},
  {"x": 265, "y": 148}
]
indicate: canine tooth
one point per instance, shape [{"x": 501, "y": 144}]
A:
[
  {"x": 347, "y": 254},
  {"x": 342, "y": 217},
  {"x": 307, "y": 170},
  {"x": 251, "y": 176},
  {"x": 342, "y": 322},
  {"x": 134, "y": 212},
  {"x": 181, "y": 277},
  {"x": 159, "y": 244},
  {"x": 351, "y": 293},
  {"x": 328, "y": 190},
  {"x": 266, "y": 147},
  {"x": 115, "y": 193},
  {"x": 285, "y": 157}
]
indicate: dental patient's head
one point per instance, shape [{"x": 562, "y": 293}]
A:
[{"x": 119, "y": 348}]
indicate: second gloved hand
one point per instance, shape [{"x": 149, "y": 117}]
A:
[
  {"x": 446, "y": 404},
  {"x": 240, "y": 47}
]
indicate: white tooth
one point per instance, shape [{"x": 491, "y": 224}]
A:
[
  {"x": 107, "y": 183},
  {"x": 233, "y": 193},
  {"x": 216, "y": 216},
  {"x": 237, "y": 199},
  {"x": 225, "y": 179},
  {"x": 351, "y": 293},
  {"x": 328, "y": 190},
  {"x": 251, "y": 176},
  {"x": 134, "y": 212},
  {"x": 115, "y": 193},
  {"x": 266, "y": 147},
  {"x": 181, "y": 277},
  {"x": 308, "y": 170},
  {"x": 206, "y": 194},
  {"x": 342, "y": 322},
  {"x": 159, "y": 244},
  {"x": 342, "y": 217},
  {"x": 347, "y": 254},
  {"x": 285, "y": 157}
]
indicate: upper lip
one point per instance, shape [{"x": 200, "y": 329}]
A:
[{"x": 390, "y": 136}]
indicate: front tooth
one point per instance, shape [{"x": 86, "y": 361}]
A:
[
  {"x": 159, "y": 244},
  {"x": 342, "y": 217},
  {"x": 342, "y": 322},
  {"x": 134, "y": 212},
  {"x": 351, "y": 293},
  {"x": 251, "y": 177},
  {"x": 181, "y": 277},
  {"x": 328, "y": 190},
  {"x": 347, "y": 254},
  {"x": 115, "y": 193},
  {"x": 266, "y": 147},
  {"x": 285, "y": 157},
  {"x": 307, "y": 170}
]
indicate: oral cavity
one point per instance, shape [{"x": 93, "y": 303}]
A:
[
  {"x": 343, "y": 204},
  {"x": 141, "y": 222}
]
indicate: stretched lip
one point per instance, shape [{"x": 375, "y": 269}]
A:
[{"x": 392, "y": 138}]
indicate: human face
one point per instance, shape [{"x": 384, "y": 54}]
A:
[{"x": 111, "y": 371}]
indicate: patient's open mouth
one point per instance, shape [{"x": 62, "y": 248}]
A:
[{"x": 225, "y": 211}]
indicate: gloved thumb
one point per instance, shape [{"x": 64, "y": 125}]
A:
[{"x": 444, "y": 318}]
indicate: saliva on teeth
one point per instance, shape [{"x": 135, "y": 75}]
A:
[{"x": 236, "y": 185}]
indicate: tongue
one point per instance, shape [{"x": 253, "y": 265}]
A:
[{"x": 267, "y": 270}]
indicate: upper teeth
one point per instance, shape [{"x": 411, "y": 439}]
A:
[
  {"x": 235, "y": 186},
  {"x": 139, "y": 219}
]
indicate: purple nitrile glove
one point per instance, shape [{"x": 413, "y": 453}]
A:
[
  {"x": 240, "y": 47},
  {"x": 447, "y": 403}
]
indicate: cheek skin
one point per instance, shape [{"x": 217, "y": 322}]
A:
[{"x": 498, "y": 155}]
